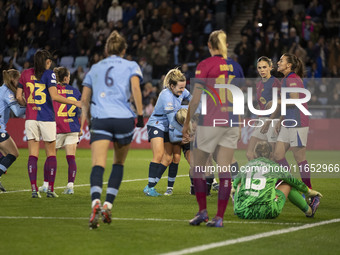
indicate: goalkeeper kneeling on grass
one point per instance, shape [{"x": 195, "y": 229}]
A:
[{"x": 255, "y": 194}]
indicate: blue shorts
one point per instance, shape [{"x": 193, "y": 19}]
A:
[
  {"x": 4, "y": 136},
  {"x": 113, "y": 129},
  {"x": 154, "y": 132}
]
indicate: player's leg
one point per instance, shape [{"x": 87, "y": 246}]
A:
[
  {"x": 70, "y": 150},
  {"x": 11, "y": 152},
  {"x": 281, "y": 147},
  {"x": 173, "y": 168},
  {"x": 166, "y": 160}
]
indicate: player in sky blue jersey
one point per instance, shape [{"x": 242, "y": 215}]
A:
[
  {"x": 39, "y": 87},
  {"x": 8, "y": 103},
  {"x": 107, "y": 87},
  {"x": 164, "y": 153}
]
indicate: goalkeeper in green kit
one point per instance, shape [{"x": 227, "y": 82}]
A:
[{"x": 255, "y": 194}]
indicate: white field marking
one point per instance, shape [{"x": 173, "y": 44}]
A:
[
  {"x": 145, "y": 219},
  {"x": 87, "y": 185},
  {"x": 250, "y": 238}
]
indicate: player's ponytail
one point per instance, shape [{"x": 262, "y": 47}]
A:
[
  {"x": 297, "y": 65},
  {"x": 115, "y": 44},
  {"x": 218, "y": 41},
  {"x": 61, "y": 73},
  {"x": 9, "y": 76},
  {"x": 172, "y": 77},
  {"x": 263, "y": 149}
]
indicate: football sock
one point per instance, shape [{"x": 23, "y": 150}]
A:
[
  {"x": 46, "y": 173},
  {"x": 223, "y": 193},
  {"x": 209, "y": 179},
  {"x": 32, "y": 171},
  {"x": 153, "y": 170},
  {"x": 72, "y": 167},
  {"x": 96, "y": 181},
  {"x": 296, "y": 198},
  {"x": 305, "y": 173},
  {"x": 234, "y": 170},
  {"x": 6, "y": 162},
  {"x": 52, "y": 169},
  {"x": 114, "y": 182},
  {"x": 200, "y": 185},
  {"x": 283, "y": 162},
  {"x": 173, "y": 169},
  {"x": 160, "y": 172}
]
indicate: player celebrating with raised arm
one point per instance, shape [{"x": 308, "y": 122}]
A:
[
  {"x": 294, "y": 138},
  {"x": 220, "y": 140},
  {"x": 255, "y": 194},
  {"x": 8, "y": 102},
  {"x": 39, "y": 86},
  {"x": 164, "y": 153},
  {"x": 68, "y": 126},
  {"x": 108, "y": 86},
  {"x": 264, "y": 95}
]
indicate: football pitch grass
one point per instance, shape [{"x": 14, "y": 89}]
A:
[{"x": 155, "y": 225}]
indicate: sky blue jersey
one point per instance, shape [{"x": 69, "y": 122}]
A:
[
  {"x": 8, "y": 102},
  {"x": 109, "y": 81},
  {"x": 175, "y": 128},
  {"x": 167, "y": 104}
]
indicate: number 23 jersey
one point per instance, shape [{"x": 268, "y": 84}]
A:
[
  {"x": 109, "y": 81},
  {"x": 39, "y": 102}
]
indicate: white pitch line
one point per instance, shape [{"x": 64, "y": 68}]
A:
[
  {"x": 86, "y": 185},
  {"x": 145, "y": 219},
  {"x": 249, "y": 238}
]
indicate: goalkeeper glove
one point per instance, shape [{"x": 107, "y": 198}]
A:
[
  {"x": 140, "y": 121},
  {"x": 313, "y": 193}
]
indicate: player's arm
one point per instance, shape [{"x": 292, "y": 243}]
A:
[
  {"x": 60, "y": 99},
  {"x": 17, "y": 109},
  {"x": 194, "y": 102},
  {"x": 85, "y": 110},
  {"x": 137, "y": 97},
  {"x": 20, "y": 97}
]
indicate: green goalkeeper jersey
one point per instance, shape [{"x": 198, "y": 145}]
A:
[{"x": 258, "y": 179}]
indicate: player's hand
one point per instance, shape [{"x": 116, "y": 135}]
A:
[
  {"x": 185, "y": 133},
  {"x": 80, "y": 133},
  {"x": 140, "y": 121},
  {"x": 313, "y": 193},
  {"x": 78, "y": 104},
  {"x": 265, "y": 127}
]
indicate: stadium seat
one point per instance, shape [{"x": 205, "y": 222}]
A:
[
  {"x": 81, "y": 61},
  {"x": 67, "y": 61}
]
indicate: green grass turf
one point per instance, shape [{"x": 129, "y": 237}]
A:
[{"x": 133, "y": 230}]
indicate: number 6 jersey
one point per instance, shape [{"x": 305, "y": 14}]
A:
[
  {"x": 109, "y": 81},
  {"x": 67, "y": 115},
  {"x": 39, "y": 102}
]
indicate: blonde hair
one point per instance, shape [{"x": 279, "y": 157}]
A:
[
  {"x": 172, "y": 77},
  {"x": 61, "y": 73},
  {"x": 181, "y": 115},
  {"x": 218, "y": 41},
  {"x": 115, "y": 44},
  {"x": 9, "y": 76},
  {"x": 263, "y": 149}
]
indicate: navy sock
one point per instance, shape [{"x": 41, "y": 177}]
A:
[
  {"x": 234, "y": 170},
  {"x": 161, "y": 170},
  {"x": 114, "y": 182},
  {"x": 153, "y": 170},
  {"x": 6, "y": 162},
  {"x": 96, "y": 180},
  {"x": 173, "y": 169}
]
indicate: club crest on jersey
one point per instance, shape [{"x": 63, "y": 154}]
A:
[
  {"x": 3, "y": 135},
  {"x": 155, "y": 132},
  {"x": 102, "y": 94}
]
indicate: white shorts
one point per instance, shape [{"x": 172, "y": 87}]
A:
[
  {"x": 296, "y": 137},
  {"x": 35, "y": 129},
  {"x": 67, "y": 138},
  {"x": 270, "y": 136},
  {"x": 207, "y": 138}
]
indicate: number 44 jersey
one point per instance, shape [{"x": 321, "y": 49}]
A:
[
  {"x": 109, "y": 80},
  {"x": 67, "y": 115},
  {"x": 257, "y": 183},
  {"x": 39, "y": 102}
]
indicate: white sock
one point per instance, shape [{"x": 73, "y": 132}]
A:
[
  {"x": 70, "y": 185},
  {"x": 45, "y": 184},
  {"x": 109, "y": 205},
  {"x": 94, "y": 202}
]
